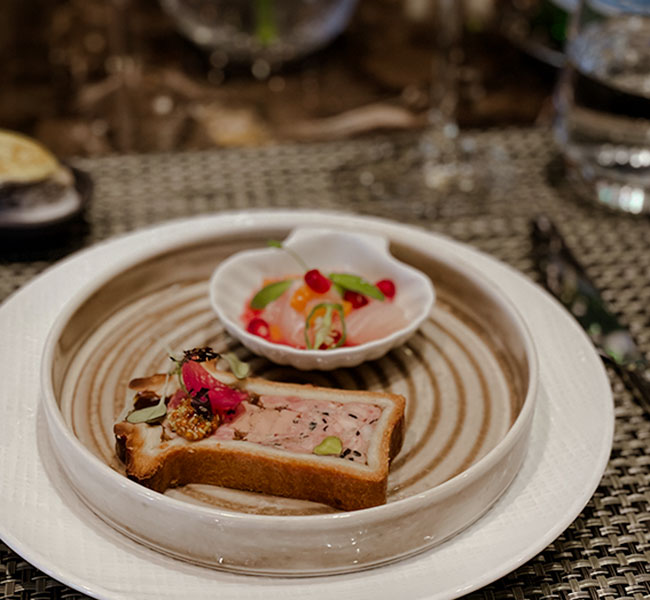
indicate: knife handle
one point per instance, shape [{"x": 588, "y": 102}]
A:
[
  {"x": 567, "y": 280},
  {"x": 549, "y": 243}
]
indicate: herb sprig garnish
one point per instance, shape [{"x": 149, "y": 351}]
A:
[
  {"x": 151, "y": 414},
  {"x": 342, "y": 282},
  {"x": 269, "y": 293},
  {"x": 354, "y": 283},
  {"x": 290, "y": 252},
  {"x": 200, "y": 398},
  {"x": 200, "y": 354}
]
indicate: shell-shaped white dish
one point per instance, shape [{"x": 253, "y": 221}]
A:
[{"x": 235, "y": 280}]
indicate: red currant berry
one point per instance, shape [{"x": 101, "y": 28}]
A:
[
  {"x": 260, "y": 327},
  {"x": 387, "y": 288},
  {"x": 317, "y": 281},
  {"x": 355, "y": 298}
]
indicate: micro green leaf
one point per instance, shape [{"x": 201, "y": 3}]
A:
[
  {"x": 290, "y": 252},
  {"x": 330, "y": 445},
  {"x": 239, "y": 368},
  {"x": 269, "y": 293},
  {"x": 150, "y": 414},
  {"x": 355, "y": 283}
]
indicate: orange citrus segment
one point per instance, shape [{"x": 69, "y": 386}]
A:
[
  {"x": 300, "y": 298},
  {"x": 275, "y": 333}
]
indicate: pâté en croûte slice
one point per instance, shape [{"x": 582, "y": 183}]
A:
[{"x": 205, "y": 425}]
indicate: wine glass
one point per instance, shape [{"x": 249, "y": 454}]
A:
[{"x": 441, "y": 161}]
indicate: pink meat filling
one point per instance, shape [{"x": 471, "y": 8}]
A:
[{"x": 298, "y": 425}]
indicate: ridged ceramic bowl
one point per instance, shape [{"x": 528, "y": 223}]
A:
[
  {"x": 236, "y": 278},
  {"x": 469, "y": 375}
]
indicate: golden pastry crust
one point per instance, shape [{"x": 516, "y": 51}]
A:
[{"x": 160, "y": 463}]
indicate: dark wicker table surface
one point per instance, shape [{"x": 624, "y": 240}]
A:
[{"x": 605, "y": 553}]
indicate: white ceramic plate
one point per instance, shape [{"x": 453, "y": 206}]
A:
[
  {"x": 45, "y": 523},
  {"x": 469, "y": 377}
]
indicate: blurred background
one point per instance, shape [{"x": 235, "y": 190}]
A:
[{"x": 96, "y": 77}]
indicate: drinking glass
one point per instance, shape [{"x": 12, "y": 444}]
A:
[
  {"x": 260, "y": 32},
  {"x": 440, "y": 144},
  {"x": 603, "y": 103},
  {"x": 441, "y": 162}
]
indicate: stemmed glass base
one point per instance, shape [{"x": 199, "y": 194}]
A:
[
  {"x": 441, "y": 161},
  {"x": 420, "y": 175}
]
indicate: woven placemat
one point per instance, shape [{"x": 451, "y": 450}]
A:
[{"x": 605, "y": 553}]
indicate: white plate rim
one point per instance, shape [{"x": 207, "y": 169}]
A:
[{"x": 99, "y": 257}]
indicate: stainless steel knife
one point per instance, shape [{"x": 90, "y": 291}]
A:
[{"x": 567, "y": 280}]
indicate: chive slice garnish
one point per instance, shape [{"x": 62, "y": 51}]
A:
[{"x": 325, "y": 327}]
